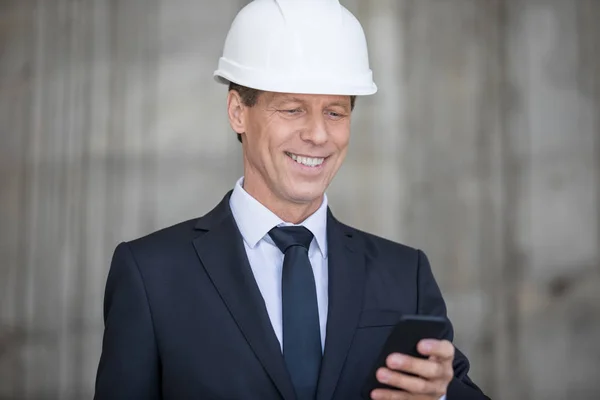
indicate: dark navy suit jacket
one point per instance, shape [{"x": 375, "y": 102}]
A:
[{"x": 184, "y": 318}]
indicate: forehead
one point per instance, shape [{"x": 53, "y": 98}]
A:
[{"x": 323, "y": 99}]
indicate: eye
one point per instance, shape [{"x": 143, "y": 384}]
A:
[
  {"x": 335, "y": 115},
  {"x": 292, "y": 111}
]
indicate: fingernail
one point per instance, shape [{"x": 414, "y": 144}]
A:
[
  {"x": 427, "y": 345},
  {"x": 397, "y": 360},
  {"x": 375, "y": 395},
  {"x": 383, "y": 375}
]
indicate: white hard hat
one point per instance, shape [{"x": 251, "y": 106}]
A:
[{"x": 297, "y": 46}]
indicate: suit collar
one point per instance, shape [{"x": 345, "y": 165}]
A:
[
  {"x": 346, "y": 289},
  {"x": 221, "y": 251}
]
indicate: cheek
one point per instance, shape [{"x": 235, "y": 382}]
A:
[
  {"x": 272, "y": 144},
  {"x": 341, "y": 136},
  {"x": 261, "y": 141},
  {"x": 281, "y": 134}
]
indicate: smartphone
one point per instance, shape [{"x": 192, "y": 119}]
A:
[{"x": 405, "y": 336}]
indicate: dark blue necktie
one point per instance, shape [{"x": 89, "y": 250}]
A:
[{"x": 301, "y": 330}]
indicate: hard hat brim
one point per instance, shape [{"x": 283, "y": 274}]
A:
[{"x": 301, "y": 83}]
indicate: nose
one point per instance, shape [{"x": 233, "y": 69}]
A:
[{"x": 316, "y": 131}]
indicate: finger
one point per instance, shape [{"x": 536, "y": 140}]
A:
[
  {"x": 429, "y": 369},
  {"x": 411, "y": 384},
  {"x": 387, "y": 394},
  {"x": 439, "y": 348}
]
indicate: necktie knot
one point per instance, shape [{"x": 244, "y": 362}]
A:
[{"x": 289, "y": 236}]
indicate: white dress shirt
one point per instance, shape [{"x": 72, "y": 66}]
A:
[{"x": 266, "y": 260}]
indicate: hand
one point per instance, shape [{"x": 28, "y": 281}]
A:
[{"x": 433, "y": 374}]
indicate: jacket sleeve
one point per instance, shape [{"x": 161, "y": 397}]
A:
[
  {"x": 431, "y": 302},
  {"x": 129, "y": 363}
]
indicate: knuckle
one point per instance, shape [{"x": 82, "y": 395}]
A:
[
  {"x": 439, "y": 370},
  {"x": 405, "y": 383},
  {"x": 400, "y": 381},
  {"x": 429, "y": 370},
  {"x": 432, "y": 369},
  {"x": 395, "y": 380},
  {"x": 400, "y": 396},
  {"x": 421, "y": 386}
]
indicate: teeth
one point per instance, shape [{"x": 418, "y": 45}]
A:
[{"x": 308, "y": 161}]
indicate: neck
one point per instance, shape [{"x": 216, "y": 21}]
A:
[{"x": 288, "y": 211}]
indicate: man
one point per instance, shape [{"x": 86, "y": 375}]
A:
[{"x": 268, "y": 296}]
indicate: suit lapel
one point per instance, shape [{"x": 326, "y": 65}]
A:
[
  {"x": 222, "y": 253},
  {"x": 346, "y": 287}
]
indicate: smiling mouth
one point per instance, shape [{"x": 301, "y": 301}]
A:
[{"x": 306, "y": 161}]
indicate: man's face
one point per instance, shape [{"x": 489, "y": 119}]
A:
[{"x": 293, "y": 144}]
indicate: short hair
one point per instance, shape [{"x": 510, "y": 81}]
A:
[{"x": 250, "y": 97}]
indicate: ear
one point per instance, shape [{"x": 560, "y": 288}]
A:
[{"x": 236, "y": 112}]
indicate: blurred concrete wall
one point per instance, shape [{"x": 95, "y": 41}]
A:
[{"x": 482, "y": 148}]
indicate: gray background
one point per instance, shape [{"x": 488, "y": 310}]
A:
[{"x": 482, "y": 147}]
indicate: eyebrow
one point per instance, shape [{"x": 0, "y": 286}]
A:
[
  {"x": 345, "y": 105},
  {"x": 291, "y": 99},
  {"x": 288, "y": 99}
]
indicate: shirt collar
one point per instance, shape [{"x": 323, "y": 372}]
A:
[{"x": 255, "y": 220}]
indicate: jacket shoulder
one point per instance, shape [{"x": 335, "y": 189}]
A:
[
  {"x": 164, "y": 248},
  {"x": 180, "y": 232}
]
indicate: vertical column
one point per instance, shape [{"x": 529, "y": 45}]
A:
[
  {"x": 381, "y": 134},
  {"x": 589, "y": 53},
  {"x": 45, "y": 215},
  {"x": 510, "y": 375},
  {"x": 16, "y": 75},
  {"x": 452, "y": 157},
  {"x": 491, "y": 354},
  {"x": 552, "y": 129},
  {"x": 73, "y": 75}
]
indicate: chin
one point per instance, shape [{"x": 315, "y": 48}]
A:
[{"x": 305, "y": 193}]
